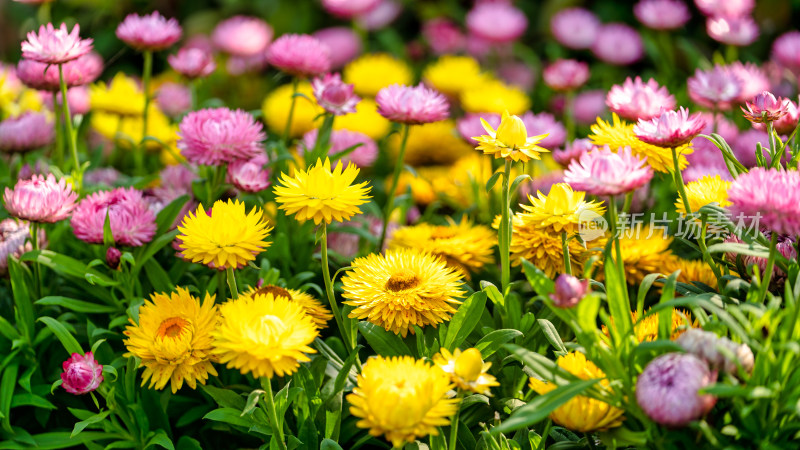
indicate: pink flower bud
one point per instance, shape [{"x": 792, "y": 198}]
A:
[
  {"x": 82, "y": 374},
  {"x": 112, "y": 257},
  {"x": 569, "y": 291}
]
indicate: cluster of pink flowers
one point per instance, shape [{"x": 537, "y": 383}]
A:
[
  {"x": 44, "y": 76},
  {"x": 613, "y": 43},
  {"x": 662, "y": 14},
  {"x": 729, "y": 21},
  {"x": 218, "y": 135},
  {"x": 130, "y": 218},
  {"x": 344, "y": 45},
  {"x": 566, "y": 74},
  {"x": 412, "y": 104},
  {"x": 55, "y": 45},
  {"x": 15, "y": 237},
  {"x": 242, "y": 36},
  {"x": 249, "y": 175},
  {"x": 192, "y": 62}
]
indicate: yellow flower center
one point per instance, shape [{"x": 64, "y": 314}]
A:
[
  {"x": 276, "y": 291},
  {"x": 512, "y": 132},
  {"x": 469, "y": 364},
  {"x": 402, "y": 280},
  {"x": 172, "y": 327},
  {"x": 443, "y": 233}
]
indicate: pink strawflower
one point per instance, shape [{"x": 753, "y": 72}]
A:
[
  {"x": 192, "y": 63},
  {"x": 82, "y": 374},
  {"x": 347, "y": 9},
  {"x": 725, "y": 8},
  {"x": 40, "y": 199},
  {"x": 662, "y": 14},
  {"x": 443, "y": 36},
  {"x": 242, "y": 36},
  {"x": 498, "y": 23},
  {"x": 717, "y": 88},
  {"x": 634, "y": 99},
  {"x": 788, "y": 122},
  {"x": 249, "y": 175},
  {"x": 77, "y": 98},
  {"x": 572, "y": 151},
  {"x": 618, "y": 44},
  {"x": 589, "y": 105},
  {"x": 55, "y": 45},
  {"x": 517, "y": 73},
  {"x": 344, "y": 45},
  {"x": 576, "y": 28},
  {"x": 412, "y": 104},
  {"x": 752, "y": 80},
  {"x": 786, "y": 50},
  {"x": 769, "y": 196},
  {"x": 566, "y": 74},
  {"x": 671, "y": 129},
  {"x": 333, "y": 95},
  {"x": 131, "y": 220},
  {"x": 173, "y": 99},
  {"x": 568, "y": 291},
  {"x": 470, "y": 125},
  {"x": 43, "y": 76},
  {"x": 746, "y": 144},
  {"x": 300, "y": 55},
  {"x": 15, "y": 237},
  {"x": 603, "y": 172},
  {"x": 737, "y": 31},
  {"x": 380, "y": 16},
  {"x": 363, "y": 155},
  {"x": 544, "y": 123},
  {"x": 151, "y": 32},
  {"x": 175, "y": 181},
  {"x": 764, "y": 107},
  {"x": 218, "y": 135},
  {"x": 667, "y": 389},
  {"x": 26, "y": 132}
]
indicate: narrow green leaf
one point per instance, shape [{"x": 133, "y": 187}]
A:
[
  {"x": 493, "y": 180},
  {"x": 494, "y": 294},
  {"x": 60, "y": 331},
  {"x": 22, "y": 298},
  {"x": 225, "y": 398},
  {"x": 80, "y": 426},
  {"x": 7, "y": 383},
  {"x": 75, "y": 305},
  {"x": 665, "y": 315},
  {"x": 552, "y": 336},
  {"x": 492, "y": 342},
  {"x": 385, "y": 343},
  {"x": 541, "y": 283},
  {"x": 252, "y": 401},
  {"x": 465, "y": 320}
]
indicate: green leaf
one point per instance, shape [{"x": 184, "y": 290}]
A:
[
  {"x": 166, "y": 217},
  {"x": 68, "y": 266},
  {"x": 490, "y": 343},
  {"x": 7, "y": 383},
  {"x": 67, "y": 340},
  {"x": 230, "y": 416},
  {"x": 551, "y": 334},
  {"x": 740, "y": 249},
  {"x": 465, "y": 320},
  {"x": 7, "y": 330},
  {"x": 494, "y": 294},
  {"x": 665, "y": 315},
  {"x": 252, "y": 401},
  {"x": 493, "y": 180},
  {"x": 187, "y": 443},
  {"x": 108, "y": 236},
  {"x": 61, "y": 439},
  {"x": 22, "y": 299},
  {"x": 162, "y": 440},
  {"x": 328, "y": 444},
  {"x": 75, "y": 305},
  {"x": 80, "y": 426},
  {"x": 618, "y": 305},
  {"x": 540, "y": 282},
  {"x": 158, "y": 276},
  {"x": 28, "y": 399},
  {"x": 225, "y": 398},
  {"x": 385, "y": 343},
  {"x": 519, "y": 179}
]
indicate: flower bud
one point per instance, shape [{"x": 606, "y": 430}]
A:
[
  {"x": 112, "y": 257},
  {"x": 511, "y": 131},
  {"x": 569, "y": 291},
  {"x": 82, "y": 374},
  {"x": 469, "y": 364}
]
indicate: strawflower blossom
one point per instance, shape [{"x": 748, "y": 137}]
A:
[
  {"x": 717, "y": 88},
  {"x": 572, "y": 151},
  {"x": 671, "y": 129},
  {"x": 364, "y": 154},
  {"x": 249, "y": 175},
  {"x": 786, "y": 50},
  {"x": 333, "y": 95},
  {"x": 55, "y": 45},
  {"x": 380, "y": 16},
  {"x": 151, "y": 32},
  {"x": 705, "y": 345},
  {"x": 40, "y": 199},
  {"x": 752, "y": 80},
  {"x": 78, "y": 72},
  {"x": 219, "y": 135},
  {"x": 603, "y": 172},
  {"x": 635, "y": 99},
  {"x": 510, "y": 140},
  {"x": 566, "y": 74},
  {"x": 746, "y": 145},
  {"x": 662, "y": 14},
  {"x": 192, "y": 62},
  {"x": 764, "y": 108},
  {"x": 545, "y": 123},
  {"x": 467, "y": 370},
  {"x": 576, "y": 28},
  {"x": 238, "y": 65},
  {"x": 739, "y": 31},
  {"x": 77, "y": 98},
  {"x": 725, "y": 8},
  {"x": 498, "y": 23},
  {"x": 618, "y": 44},
  {"x": 344, "y": 45},
  {"x": 130, "y": 218},
  {"x": 412, "y": 105},
  {"x": 82, "y": 374},
  {"x": 443, "y": 36},
  {"x": 347, "y": 9},
  {"x": 173, "y": 99},
  {"x": 26, "y": 132},
  {"x": 568, "y": 291},
  {"x": 242, "y": 36},
  {"x": 788, "y": 122},
  {"x": 770, "y": 196},
  {"x": 15, "y": 239},
  {"x": 301, "y": 55}
]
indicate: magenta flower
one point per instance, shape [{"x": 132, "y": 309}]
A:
[
  {"x": 671, "y": 129},
  {"x": 43, "y": 76},
  {"x": 725, "y": 8},
  {"x": 572, "y": 151},
  {"x": 82, "y": 374},
  {"x": 635, "y": 100},
  {"x": 249, "y": 175},
  {"x": 717, "y": 88},
  {"x": 662, "y": 14},
  {"x": 738, "y": 31},
  {"x": 544, "y": 123},
  {"x": 443, "y": 36},
  {"x": 218, "y": 135},
  {"x": 470, "y": 125},
  {"x": 343, "y": 43},
  {"x": 603, "y": 172},
  {"x": 363, "y": 155},
  {"x": 77, "y": 98},
  {"x": 333, "y": 95},
  {"x": 192, "y": 63},
  {"x": 498, "y": 22},
  {"x": 40, "y": 199},
  {"x": 151, "y": 32},
  {"x": 242, "y": 36},
  {"x": 15, "y": 237},
  {"x": 173, "y": 99},
  {"x": 769, "y": 196},
  {"x": 300, "y": 55},
  {"x": 667, "y": 389},
  {"x": 788, "y": 122},
  {"x": 764, "y": 108},
  {"x": 566, "y": 74},
  {"x": 576, "y": 28},
  {"x": 589, "y": 105},
  {"x": 347, "y": 9},
  {"x": 569, "y": 291},
  {"x": 26, "y": 132},
  {"x": 380, "y": 16},
  {"x": 55, "y": 45},
  {"x": 113, "y": 257},
  {"x": 412, "y": 104},
  {"x": 786, "y": 50},
  {"x": 618, "y": 44},
  {"x": 131, "y": 220},
  {"x": 752, "y": 80}
]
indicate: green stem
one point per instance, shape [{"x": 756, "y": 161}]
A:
[
  {"x": 326, "y": 275},
  {"x": 565, "y": 252},
  {"x": 613, "y": 218},
  {"x": 569, "y": 116},
  {"x": 58, "y": 153},
  {"x": 37, "y": 275},
  {"x": 590, "y": 441},
  {"x": 73, "y": 143},
  {"x": 148, "y": 71},
  {"x": 454, "y": 424},
  {"x": 679, "y": 182},
  {"x": 277, "y": 428},
  {"x": 766, "y": 277},
  {"x": 398, "y": 168},
  {"x": 706, "y": 255},
  {"x": 322, "y": 144},
  {"x": 193, "y": 91},
  {"x": 220, "y": 286},
  {"x": 505, "y": 229},
  {"x": 288, "y": 128},
  {"x": 626, "y": 208},
  {"x": 232, "y": 283}
]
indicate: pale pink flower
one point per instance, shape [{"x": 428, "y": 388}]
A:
[
  {"x": 572, "y": 151},
  {"x": 82, "y": 374},
  {"x": 498, "y": 23},
  {"x": 668, "y": 389},
  {"x": 55, "y": 45},
  {"x": 249, "y": 175},
  {"x": 343, "y": 44},
  {"x": 589, "y": 105},
  {"x": 470, "y": 125},
  {"x": 769, "y": 196},
  {"x": 15, "y": 237},
  {"x": 131, "y": 220},
  {"x": 26, "y": 132},
  {"x": 662, "y": 14},
  {"x": 544, "y": 123},
  {"x": 347, "y": 9},
  {"x": 300, "y": 55},
  {"x": 43, "y": 76},
  {"x": 173, "y": 99},
  {"x": 568, "y": 291},
  {"x": 412, "y": 104},
  {"x": 752, "y": 80},
  {"x": 77, "y": 98},
  {"x": 726, "y": 8},
  {"x": 738, "y": 31},
  {"x": 242, "y": 36},
  {"x": 333, "y": 95},
  {"x": 40, "y": 199},
  {"x": 566, "y": 74},
  {"x": 671, "y": 129},
  {"x": 576, "y": 28},
  {"x": 192, "y": 63},
  {"x": 363, "y": 155},
  {"x": 176, "y": 181},
  {"x": 219, "y": 135},
  {"x": 788, "y": 122},
  {"x": 380, "y": 16},
  {"x": 618, "y": 44},
  {"x": 443, "y": 36},
  {"x": 717, "y": 88},
  {"x": 603, "y": 172},
  {"x": 764, "y": 107},
  {"x": 786, "y": 50},
  {"x": 151, "y": 32},
  {"x": 634, "y": 99}
]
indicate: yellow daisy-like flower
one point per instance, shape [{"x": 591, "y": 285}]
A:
[
  {"x": 173, "y": 339},
  {"x": 510, "y": 140},
  {"x": 277, "y": 104},
  {"x": 619, "y": 134},
  {"x": 402, "y": 288},
  {"x": 705, "y": 191},
  {"x": 691, "y": 270},
  {"x": 467, "y": 370},
  {"x": 496, "y": 97},
  {"x": 402, "y": 399},
  {"x": 365, "y": 120},
  {"x": 646, "y": 330},
  {"x": 321, "y": 193},
  {"x": 319, "y": 314},
  {"x": 126, "y": 131},
  {"x": 561, "y": 210},
  {"x": 264, "y": 335},
  {"x": 440, "y": 74},
  {"x": 372, "y": 72},
  {"x": 436, "y": 143},
  {"x": 580, "y": 413},
  {"x": 122, "y": 96},
  {"x": 644, "y": 252},
  {"x": 225, "y": 236},
  {"x": 464, "y": 246}
]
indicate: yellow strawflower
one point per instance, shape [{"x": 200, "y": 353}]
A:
[
  {"x": 320, "y": 193},
  {"x": 496, "y": 97},
  {"x": 173, "y": 339},
  {"x": 561, "y": 210},
  {"x": 691, "y": 270},
  {"x": 225, "y": 236},
  {"x": 453, "y": 74},
  {"x": 467, "y": 370},
  {"x": 319, "y": 314},
  {"x": 436, "y": 143},
  {"x": 402, "y": 399},
  {"x": 422, "y": 191},
  {"x": 646, "y": 330},
  {"x": 365, "y": 120},
  {"x": 510, "y": 140},
  {"x": 644, "y": 252},
  {"x": 264, "y": 335},
  {"x": 402, "y": 288},
  {"x": 277, "y": 104},
  {"x": 372, "y": 72},
  {"x": 122, "y": 96},
  {"x": 708, "y": 189},
  {"x": 581, "y": 414}
]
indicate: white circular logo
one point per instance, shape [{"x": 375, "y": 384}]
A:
[{"x": 591, "y": 225}]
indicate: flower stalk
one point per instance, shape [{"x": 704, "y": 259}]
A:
[
  {"x": 71, "y": 137},
  {"x": 505, "y": 228},
  {"x": 398, "y": 168}
]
